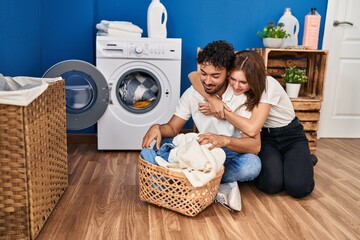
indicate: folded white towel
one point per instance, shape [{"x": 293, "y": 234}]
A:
[
  {"x": 104, "y": 31},
  {"x": 118, "y": 33},
  {"x": 121, "y": 25},
  {"x": 101, "y": 27},
  {"x": 115, "y": 32},
  {"x": 106, "y": 22}
]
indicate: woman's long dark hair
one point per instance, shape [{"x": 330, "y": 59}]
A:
[{"x": 253, "y": 66}]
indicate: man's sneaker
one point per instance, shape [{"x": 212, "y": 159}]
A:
[
  {"x": 229, "y": 196},
  {"x": 220, "y": 198},
  {"x": 314, "y": 159}
]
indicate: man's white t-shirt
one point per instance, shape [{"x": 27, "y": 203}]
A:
[
  {"x": 281, "y": 111},
  {"x": 188, "y": 107}
]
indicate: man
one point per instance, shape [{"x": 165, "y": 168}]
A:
[{"x": 241, "y": 162}]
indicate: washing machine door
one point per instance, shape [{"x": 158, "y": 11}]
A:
[{"x": 87, "y": 94}]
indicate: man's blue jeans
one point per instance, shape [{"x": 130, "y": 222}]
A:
[{"x": 240, "y": 167}]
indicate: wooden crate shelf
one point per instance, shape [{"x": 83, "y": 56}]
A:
[{"x": 307, "y": 106}]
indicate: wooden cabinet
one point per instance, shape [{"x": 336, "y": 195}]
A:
[{"x": 307, "y": 106}]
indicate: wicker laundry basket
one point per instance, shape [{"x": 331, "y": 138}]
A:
[
  {"x": 33, "y": 162},
  {"x": 172, "y": 190}
]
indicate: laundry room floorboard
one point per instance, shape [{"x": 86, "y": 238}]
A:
[{"x": 102, "y": 202}]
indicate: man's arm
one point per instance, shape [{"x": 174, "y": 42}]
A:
[
  {"x": 157, "y": 132},
  {"x": 245, "y": 144}
]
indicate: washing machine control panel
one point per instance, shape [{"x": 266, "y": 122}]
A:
[
  {"x": 138, "y": 50},
  {"x": 153, "y": 50},
  {"x": 144, "y": 48}
]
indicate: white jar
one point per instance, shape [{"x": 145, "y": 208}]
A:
[
  {"x": 291, "y": 27},
  {"x": 156, "y": 20}
]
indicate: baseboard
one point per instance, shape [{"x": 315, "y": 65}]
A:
[{"x": 81, "y": 138}]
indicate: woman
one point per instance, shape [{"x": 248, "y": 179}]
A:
[{"x": 285, "y": 155}]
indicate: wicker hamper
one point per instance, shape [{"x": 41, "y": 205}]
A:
[
  {"x": 33, "y": 162},
  {"x": 172, "y": 190}
]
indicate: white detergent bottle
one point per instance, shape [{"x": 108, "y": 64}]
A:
[
  {"x": 291, "y": 27},
  {"x": 156, "y": 20},
  {"x": 311, "y": 30}
]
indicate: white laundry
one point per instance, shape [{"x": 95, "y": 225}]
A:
[
  {"x": 118, "y": 28},
  {"x": 120, "y": 33},
  {"x": 121, "y": 25},
  {"x": 21, "y": 91},
  {"x": 197, "y": 162},
  {"x": 172, "y": 166},
  {"x": 115, "y": 32},
  {"x": 182, "y": 139}
]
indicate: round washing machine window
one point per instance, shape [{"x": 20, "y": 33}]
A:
[
  {"x": 86, "y": 90},
  {"x": 138, "y": 91},
  {"x": 80, "y": 91}
]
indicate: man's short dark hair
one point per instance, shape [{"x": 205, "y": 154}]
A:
[{"x": 220, "y": 54}]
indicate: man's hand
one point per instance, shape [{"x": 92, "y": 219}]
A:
[
  {"x": 152, "y": 134},
  {"x": 204, "y": 108},
  {"x": 214, "y": 106},
  {"x": 217, "y": 107},
  {"x": 214, "y": 139}
]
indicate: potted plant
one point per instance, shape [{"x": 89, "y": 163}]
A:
[
  {"x": 273, "y": 35},
  {"x": 293, "y": 78}
]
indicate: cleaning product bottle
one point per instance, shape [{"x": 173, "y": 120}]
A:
[
  {"x": 291, "y": 27},
  {"x": 156, "y": 20},
  {"x": 311, "y": 30}
]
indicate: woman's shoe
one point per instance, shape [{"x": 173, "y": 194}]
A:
[{"x": 314, "y": 159}]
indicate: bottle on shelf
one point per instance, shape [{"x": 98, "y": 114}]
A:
[
  {"x": 156, "y": 20},
  {"x": 311, "y": 30},
  {"x": 292, "y": 27}
]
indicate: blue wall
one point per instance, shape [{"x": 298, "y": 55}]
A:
[{"x": 36, "y": 34}]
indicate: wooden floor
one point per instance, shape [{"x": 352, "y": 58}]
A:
[{"x": 102, "y": 202}]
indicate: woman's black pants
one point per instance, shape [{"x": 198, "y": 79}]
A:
[{"x": 286, "y": 161}]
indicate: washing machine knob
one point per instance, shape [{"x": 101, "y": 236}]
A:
[{"x": 138, "y": 50}]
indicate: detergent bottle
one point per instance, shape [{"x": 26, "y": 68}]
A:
[
  {"x": 311, "y": 29},
  {"x": 291, "y": 26},
  {"x": 156, "y": 20}
]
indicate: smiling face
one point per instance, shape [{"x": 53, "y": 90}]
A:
[
  {"x": 213, "y": 79},
  {"x": 238, "y": 82}
]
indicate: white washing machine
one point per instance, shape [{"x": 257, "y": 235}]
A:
[
  {"x": 143, "y": 78},
  {"x": 135, "y": 84}
]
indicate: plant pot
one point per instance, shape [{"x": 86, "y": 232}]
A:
[
  {"x": 272, "y": 42},
  {"x": 293, "y": 89}
]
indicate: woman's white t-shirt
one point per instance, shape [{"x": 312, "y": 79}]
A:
[{"x": 281, "y": 110}]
